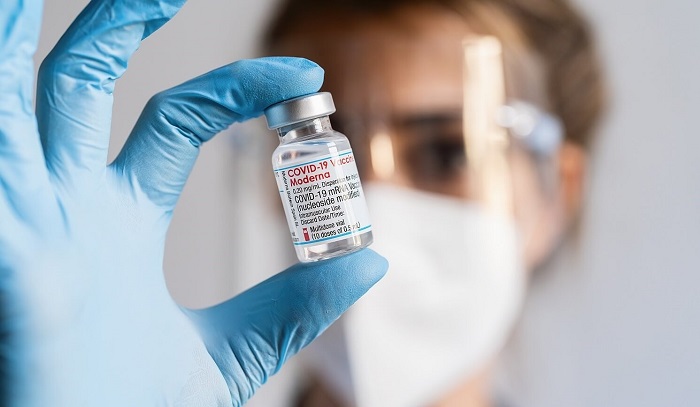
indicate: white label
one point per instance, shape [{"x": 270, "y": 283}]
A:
[{"x": 323, "y": 199}]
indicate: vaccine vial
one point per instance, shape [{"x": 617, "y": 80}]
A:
[{"x": 317, "y": 180}]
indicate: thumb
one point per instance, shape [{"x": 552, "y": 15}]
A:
[{"x": 252, "y": 335}]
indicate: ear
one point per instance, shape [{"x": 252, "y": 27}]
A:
[
  {"x": 558, "y": 214},
  {"x": 572, "y": 180}
]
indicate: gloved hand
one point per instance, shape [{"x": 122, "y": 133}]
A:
[{"x": 81, "y": 242}]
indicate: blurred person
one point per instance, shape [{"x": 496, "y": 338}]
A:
[{"x": 471, "y": 122}]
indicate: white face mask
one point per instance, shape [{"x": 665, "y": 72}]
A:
[{"x": 444, "y": 309}]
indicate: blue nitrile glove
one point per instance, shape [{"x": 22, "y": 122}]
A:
[{"x": 81, "y": 242}]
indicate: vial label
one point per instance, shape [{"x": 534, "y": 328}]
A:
[{"x": 323, "y": 199}]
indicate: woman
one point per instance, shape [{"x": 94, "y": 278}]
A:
[{"x": 471, "y": 121}]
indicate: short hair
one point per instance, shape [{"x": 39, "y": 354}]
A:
[{"x": 557, "y": 33}]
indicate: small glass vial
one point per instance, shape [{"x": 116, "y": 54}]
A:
[{"x": 318, "y": 181}]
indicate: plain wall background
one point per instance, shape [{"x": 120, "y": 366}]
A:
[{"x": 616, "y": 321}]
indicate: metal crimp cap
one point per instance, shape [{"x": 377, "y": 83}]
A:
[{"x": 299, "y": 109}]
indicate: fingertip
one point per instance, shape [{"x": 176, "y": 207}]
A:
[
  {"x": 370, "y": 263},
  {"x": 270, "y": 80},
  {"x": 297, "y": 62},
  {"x": 361, "y": 269},
  {"x": 299, "y": 75}
]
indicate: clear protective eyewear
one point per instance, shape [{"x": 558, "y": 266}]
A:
[
  {"x": 441, "y": 117},
  {"x": 437, "y": 115}
]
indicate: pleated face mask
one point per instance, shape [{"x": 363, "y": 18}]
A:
[{"x": 443, "y": 311}]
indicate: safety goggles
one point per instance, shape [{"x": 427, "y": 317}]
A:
[{"x": 442, "y": 116}]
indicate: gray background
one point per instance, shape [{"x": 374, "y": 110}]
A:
[{"x": 618, "y": 312}]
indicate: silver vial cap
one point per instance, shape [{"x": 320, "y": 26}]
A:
[{"x": 299, "y": 109}]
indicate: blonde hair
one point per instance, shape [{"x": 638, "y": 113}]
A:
[{"x": 557, "y": 34}]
